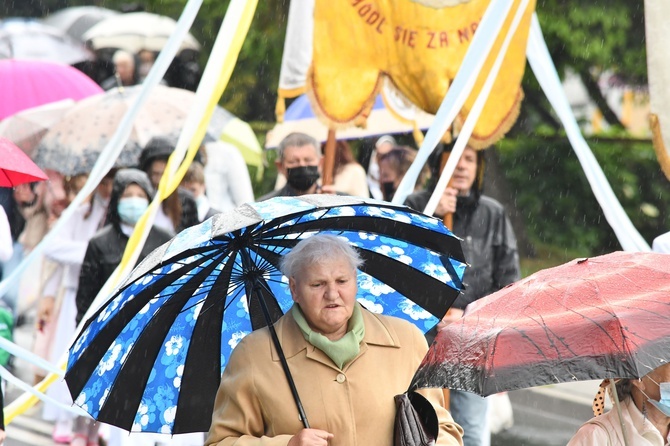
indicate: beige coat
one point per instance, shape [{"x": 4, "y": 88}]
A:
[{"x": 254, "y": 405}]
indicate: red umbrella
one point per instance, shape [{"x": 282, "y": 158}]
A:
[
  {"x": 602, "y": 317},
  {"x": 15, "y": 166}
]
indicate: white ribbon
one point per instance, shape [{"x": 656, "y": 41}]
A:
[
  {"x": 458, "y": 92},
  {"x": 4, "y": 374},
  {"x": 545, "y": 72},
  {"x": 473, "y": 116},
  {"x": 115, "y": 145}
]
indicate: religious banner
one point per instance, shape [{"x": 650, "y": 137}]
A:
[{"x": 357, "y": 44}]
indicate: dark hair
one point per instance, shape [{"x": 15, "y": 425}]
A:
[
  {"x": 435, "y": 159},
  {"x": 624, "y": 388},
  {"x": 343, "y": 155},
  {"x": 400, "y": 158}
]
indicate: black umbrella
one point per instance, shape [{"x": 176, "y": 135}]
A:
[{"x": 171, "y": 326}]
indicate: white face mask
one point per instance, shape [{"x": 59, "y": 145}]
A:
[
  {"x": 664, "y": 404},
  {"x": 131, "y": 209}
]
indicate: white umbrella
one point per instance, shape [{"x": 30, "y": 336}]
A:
[
  {"x": 136, "y": 31},
  {"x": 76, "y": 20},
  {"x": 382, "y": 120},
  {"x": 30, "y": 39}
]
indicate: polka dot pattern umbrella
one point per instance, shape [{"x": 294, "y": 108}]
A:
[{"x": 74, "y": 144}]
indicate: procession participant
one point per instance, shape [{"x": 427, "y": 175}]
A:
[
  {"x": 347, "y": 364},
  {"x": 489, "y": 245}
]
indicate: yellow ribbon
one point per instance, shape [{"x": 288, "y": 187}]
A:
[{"x": 167, "y": 186}]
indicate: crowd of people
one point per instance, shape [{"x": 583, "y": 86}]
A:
[{"x": 337, "y": 341}]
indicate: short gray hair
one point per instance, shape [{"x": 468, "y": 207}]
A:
[
  {"x": 316, "y": 249},
  {"x": 297, "y": 139},
  {"x": 120, "y": 55}
]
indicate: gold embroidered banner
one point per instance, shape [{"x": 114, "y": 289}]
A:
[{"x": 419, "y": 48}]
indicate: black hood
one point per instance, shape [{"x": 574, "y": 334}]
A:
[
  {"x": 160, "y": 148},
  {"x": 122, "y": 179}
]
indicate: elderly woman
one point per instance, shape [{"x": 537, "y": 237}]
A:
[
  {"x": 347, "y": 362},
  {"x": 647, "y": 420}
]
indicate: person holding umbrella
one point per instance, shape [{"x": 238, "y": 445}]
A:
[
  {"x": 644, "y": 416},
  {"x": 348, "y": 362}
]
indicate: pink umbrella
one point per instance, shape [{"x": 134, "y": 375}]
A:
[
  {"x": 29, "y": 83},
  {"x": 15, "y": 166}
]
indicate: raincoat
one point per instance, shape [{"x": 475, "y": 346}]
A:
[
  {"x": 489, "y": 244},
  {"x": 105, "y": 249}
]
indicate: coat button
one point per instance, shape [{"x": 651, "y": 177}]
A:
[{"x": 341, "y": 378}]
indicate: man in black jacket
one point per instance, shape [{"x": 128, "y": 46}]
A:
[{"x": 490, "y": 248}]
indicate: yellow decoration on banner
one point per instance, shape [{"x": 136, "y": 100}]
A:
[{"x": 420, "y": 49}]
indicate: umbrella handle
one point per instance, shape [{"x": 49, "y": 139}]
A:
[
  {"x": 282, "y": 357},
  {"x": 617, "y": 404}
]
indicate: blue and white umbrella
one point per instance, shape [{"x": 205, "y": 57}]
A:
[
  {"x": 300, "y": 117},
  {"x": 151, "y": 358}
]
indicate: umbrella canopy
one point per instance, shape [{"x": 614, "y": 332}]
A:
[
  {"x": 28, "y": 83},
  {"x": 170, "y": 328},
  {"x": 30, "y": 39},
  {"x": 73, "y": 144},
  {"x": 76, "y": 20},
  {"x": 26, "y": 128},
  {"x": 602, "y": 317},
  {"x": 300, "y": 117},
  {"x": 136, "y": 31},
  {"x": 15, "y": 166}
]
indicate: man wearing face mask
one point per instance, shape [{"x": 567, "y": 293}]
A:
[
  {"x": 131, "y": 194},
  {"x": 299, "y": 160}
]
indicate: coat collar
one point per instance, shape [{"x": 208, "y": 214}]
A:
[{"x": 377, "y": 332}]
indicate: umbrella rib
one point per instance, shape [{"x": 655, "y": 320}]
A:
[
  {"x": 129, "y": 384},
  {"x": 202, "y": 366},
  {"x": 583, "y": 316}
]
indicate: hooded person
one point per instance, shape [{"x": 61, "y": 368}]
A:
[
  {"x": 180, "y": 210},
  {"x": 131, "y": 194},
  {"x": 489, "y": 245}
]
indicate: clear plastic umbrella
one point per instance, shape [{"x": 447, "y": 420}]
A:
[{"x": 30, "y": 39}]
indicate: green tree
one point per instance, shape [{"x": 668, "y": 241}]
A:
[{"x": 592, "y": 38}]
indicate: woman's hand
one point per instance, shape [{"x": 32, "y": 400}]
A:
[
  {"x": 45, "y": 311},
  {"x": 310, "y": 437},
  {"x": 2, "y": 436}
]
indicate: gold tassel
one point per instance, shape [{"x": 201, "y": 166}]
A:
[
  {"x": 659, "y": 146},
  {"x": 418, "y": 135},
  {"x": 280, "y": 108}
]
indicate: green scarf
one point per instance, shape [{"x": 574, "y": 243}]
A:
[{"x": 344, "y": 349}]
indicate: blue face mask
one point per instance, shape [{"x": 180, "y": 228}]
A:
[
  {"x": 131, "y": 209},
  {"x": 664, "y": 404}
]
